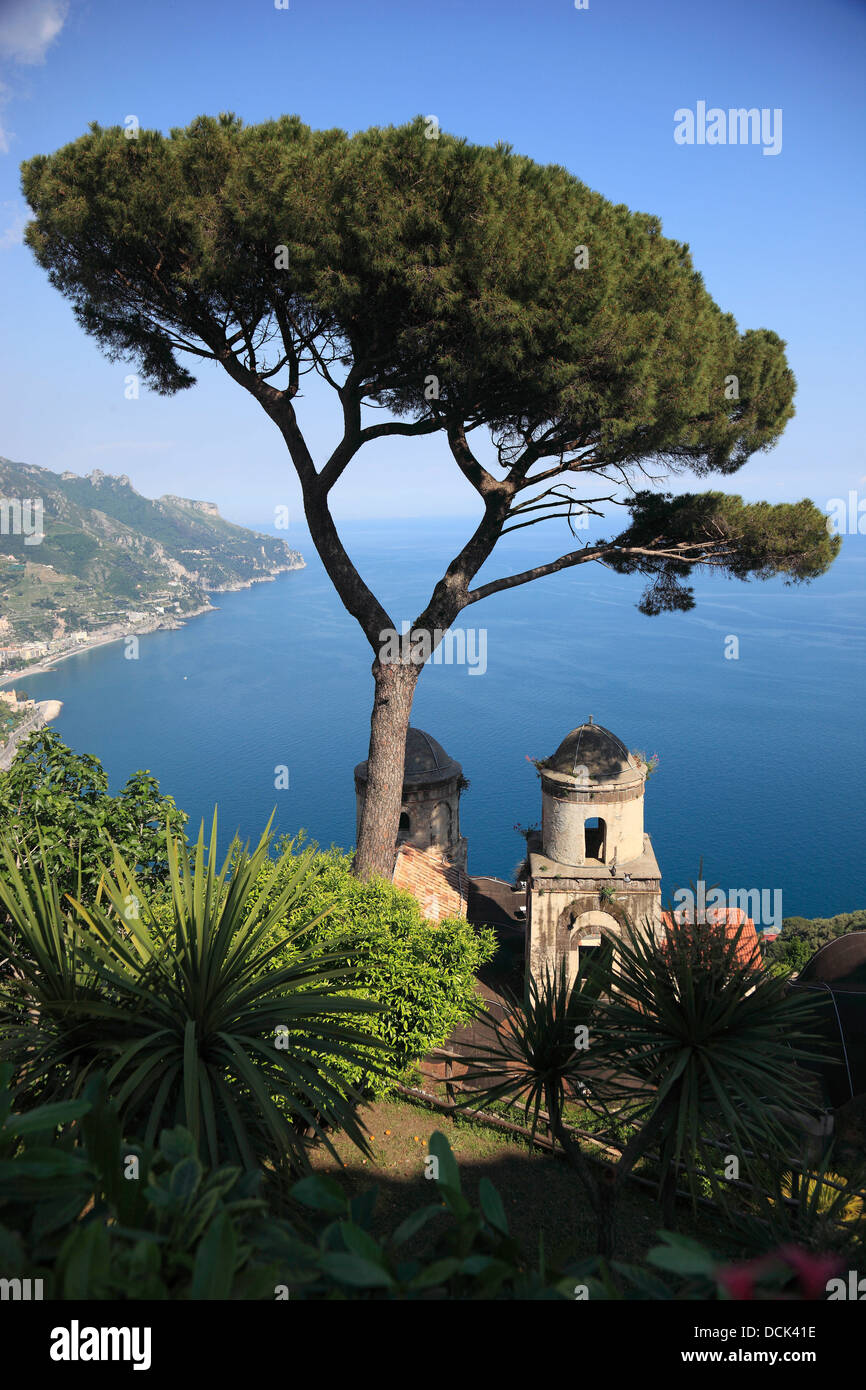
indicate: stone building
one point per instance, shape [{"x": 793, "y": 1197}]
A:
[
  {"x": 591, "y": 870},
  {"x": 430, "y": 810},
  {"x": 594, "y": 869}
]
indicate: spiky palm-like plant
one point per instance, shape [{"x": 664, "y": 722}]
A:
[
  {"x": 541, "y": 1053},
  {"x": 818, "y": 1208},
  {"x": 185, "y": 1015},
  {"x": 713, "y": 1040},
  {"x": 701, "y": 1043},
  {"x": 45, "y": 978}
]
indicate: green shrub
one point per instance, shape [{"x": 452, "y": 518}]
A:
[
  {"x": 801, "y": 937},
  {"x": 71, "y": 1216},
  {"x": 57, "y": 803},
  {"x": 185, "y": 1007},
  {"x": 97, "y": 1218},
  {"x": 421, "y": 973}
]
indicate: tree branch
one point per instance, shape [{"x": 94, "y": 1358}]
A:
[
  {"x": 483, "y": 482},
  {"x": 719, "y": 552},
  {"x": 511, "y": 581}
]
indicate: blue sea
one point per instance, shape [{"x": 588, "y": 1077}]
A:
[{"x": 761, "y": 758}]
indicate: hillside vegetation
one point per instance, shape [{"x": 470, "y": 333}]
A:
[
  {"x": 106, "y": 550},
  {"x": 801, "y": 937}
]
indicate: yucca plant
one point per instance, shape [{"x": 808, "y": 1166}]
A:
[
  {"x": 45, "y": 978},
  {"x": 699, "y": 1044},
  {"x": 713, "y": 1040},
  {"x": 540, "y": 1055},
  {"x": 182, "y": 1011}
]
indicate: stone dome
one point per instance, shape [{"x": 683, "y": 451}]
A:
[
  {"x": 426, "y": 761},
  {"x": 594, "y": 748}
]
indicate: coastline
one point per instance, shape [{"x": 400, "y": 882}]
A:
[
  {"x": 256, "y": 579},
  {"x": 47, "y": 665},
  {"x": 45, "y": 711}
]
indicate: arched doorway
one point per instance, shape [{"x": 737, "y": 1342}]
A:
[{"x": 581, "y": 930}]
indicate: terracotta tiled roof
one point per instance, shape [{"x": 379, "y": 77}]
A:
[
  {"x": 730, "y": 919},
  {"x": 440, "y": 888}
]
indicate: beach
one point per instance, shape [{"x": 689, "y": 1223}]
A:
[
  {"x": 117, "y": 631},
  {"x": 116, "y": 634},
  {"x": 45, "y": 711}
]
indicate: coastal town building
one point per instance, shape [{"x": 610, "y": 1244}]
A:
[
  {"x": 729, "y": 922},
  {"x": 25, "y": 651},
  {"x": 16, "y": 701}
]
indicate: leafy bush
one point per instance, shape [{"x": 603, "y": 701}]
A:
[
  {"x": 79, "y": 1215},
  {"x": 422, "y": 974},
  {"x": 801, "y": 937},
  {"x": 57, "y": 804},
  {"x": 96, "y": 1218}
]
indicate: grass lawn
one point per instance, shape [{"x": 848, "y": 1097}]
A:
[{"x": 541, "y": 1193}]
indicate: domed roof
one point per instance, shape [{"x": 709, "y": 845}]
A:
[
  {"x": 839, "y": 964},
  {"x": 591, "y": 746},
  {"x": 426, "y": 761}
]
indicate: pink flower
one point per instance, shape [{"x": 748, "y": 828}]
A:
[
  {"x": 813, "y": 1271},
  {"x": 738, "y": 1281}
]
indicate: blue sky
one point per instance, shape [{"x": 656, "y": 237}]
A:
[{"x": 779, "y": 238}]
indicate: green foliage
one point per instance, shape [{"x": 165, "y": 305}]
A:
[
  {"x": 98, "y": 1218},
  {"x": 74, "y": 1213},
  {"x": 191, "y": 1016},
  {"x": 820, "y": 1209},
  {"x": 714, "y": 1040},
  {"x": 421, "y": 974},
  {"x": 801, "y": 937},
  {"x": 700, "y": 1045},
  {"x": 414, "y": 255},
  {"x": 11, "y": 718},
  {"x": 762, "y": 540},
  {"x": 57, "y": 805},
  {"x": 385, "y": 257},
  {"x": 537, "y": 1055}
]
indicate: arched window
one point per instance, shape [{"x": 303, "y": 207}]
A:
[
  {"x": 595, "y": 833},
  {"x": 405, "y": 828}
]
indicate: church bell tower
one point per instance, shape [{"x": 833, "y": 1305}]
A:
[{"x": 596, "y": 872}]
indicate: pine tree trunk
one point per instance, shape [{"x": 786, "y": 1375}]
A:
[{"x": 389, "y": 722}]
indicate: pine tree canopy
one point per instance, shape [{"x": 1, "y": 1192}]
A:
[{"x": 436, "y": 285}]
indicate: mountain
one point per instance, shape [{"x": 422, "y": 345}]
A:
[{"x": 91, "y": 552}]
